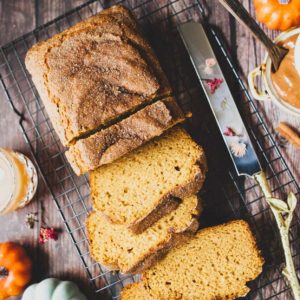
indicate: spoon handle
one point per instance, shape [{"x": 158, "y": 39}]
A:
[{"x": 243, "y": 17}]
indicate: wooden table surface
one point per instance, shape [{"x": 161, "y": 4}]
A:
[{"x": 59, "y": 258}]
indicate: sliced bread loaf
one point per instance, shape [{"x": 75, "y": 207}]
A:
[
  {"x": 141, "y": 187},
  {"x": 215, "y": 264},
  {"x": 94, "y": 72},
  {"x": 135, "y": 291},
  {"x": 113, "y": 142},
  {"x": 117, "y": 248}
]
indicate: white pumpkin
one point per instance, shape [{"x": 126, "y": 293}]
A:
[{"x": 53, "y": 289}]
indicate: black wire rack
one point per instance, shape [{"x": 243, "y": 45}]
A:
[{"x": 225, "y": 195}]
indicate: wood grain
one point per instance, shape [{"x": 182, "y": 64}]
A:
[
  {"x": 21, "y": 16},
  {"x": 15, "y": 22},
  {"x": 57, "y": 259}
]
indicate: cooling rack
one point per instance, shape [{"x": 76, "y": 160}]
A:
[{"x": 225, "y": 195}]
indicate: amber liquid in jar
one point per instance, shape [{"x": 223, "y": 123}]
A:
[
  {"x": 286, "y": 79},
  {"x": 18, "y": 180}
]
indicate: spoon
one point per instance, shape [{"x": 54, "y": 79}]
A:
[{"x": 276, "y": 52}]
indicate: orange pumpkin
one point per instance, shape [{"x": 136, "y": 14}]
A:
[
  {"x": 278, "y": 14},
  {"x": 15, "y": 270}
]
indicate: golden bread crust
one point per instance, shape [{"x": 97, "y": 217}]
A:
[
  {"x": 94, "y": 72},
  {"x": 113, "y": 142}
]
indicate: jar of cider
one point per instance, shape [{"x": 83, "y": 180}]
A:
[{"x": 18, "y": 180}]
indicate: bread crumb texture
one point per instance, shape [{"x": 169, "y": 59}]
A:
[
  {"x": 129, "y": 189},
  {"x": 215, "y": 264},
  {"x": 116, "y": 247},
  {"x": 135, "y": 291}
]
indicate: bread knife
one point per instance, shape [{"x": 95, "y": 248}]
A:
[
  {"x": 220, "y": 99},
  {"x": 235, "y": 134}
]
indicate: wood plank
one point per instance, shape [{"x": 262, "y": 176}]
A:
[
  {"x": 222, "y": 21},
  {"x": 48, "y": 9},
  {"x": 17, "y": 18},
  {"x": 14, "y": 23}
]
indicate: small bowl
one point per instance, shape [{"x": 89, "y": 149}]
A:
[{"x": 268, "y": 91}]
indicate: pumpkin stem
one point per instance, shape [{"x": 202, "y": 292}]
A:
[{"x": 3, "y": 272}]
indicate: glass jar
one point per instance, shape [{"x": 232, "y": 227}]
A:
[
  {"x": 18, "y": 180},
  {"x": 267, "y": 90}
]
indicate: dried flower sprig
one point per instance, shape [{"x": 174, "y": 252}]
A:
[
  {"x": 31, "y": 219},
  {"x": 47, "y": 234},
  {"x": 283, "y": 213}
]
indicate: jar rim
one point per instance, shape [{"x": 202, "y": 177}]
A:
[
  {"x": 268, "y": 64},
  {"x": 6, "y": 159}
]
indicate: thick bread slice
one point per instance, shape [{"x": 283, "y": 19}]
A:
[
  {"x": 95, "y": 72},
  {"x": 117, "y": 248},
  {"x": 139, "y": 188},
  {"x": 135, "y": 291},
  {"x": 215, "y": 264},
  {"x": 113, "y": 142}
]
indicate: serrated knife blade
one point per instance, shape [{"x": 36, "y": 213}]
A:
[{"x": 221, "y": 100}]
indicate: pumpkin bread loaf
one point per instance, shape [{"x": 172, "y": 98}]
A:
[
  {"x": 135, "y": 291},
  {"x": 113, "y": 142},
  {"x": 92, "y": 74},
  {"x": 139, "y": 188},
  {"x": 215, "y": 264},
  {"x": 117, "y": 248}
]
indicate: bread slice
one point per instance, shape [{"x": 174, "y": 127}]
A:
[
  {"x": 141, "y": 187},
  {"x": 117, "y": 248},
  {"x": 96, "y": 71},
  {"x": 135, "y": 291},
  {"x": 113, "y": 142},
  {"x": 215, "y": 264}
]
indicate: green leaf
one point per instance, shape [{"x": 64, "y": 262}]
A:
[
  {"x": 278, "y": 205},
  {"x": 292, "y": 201}
]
